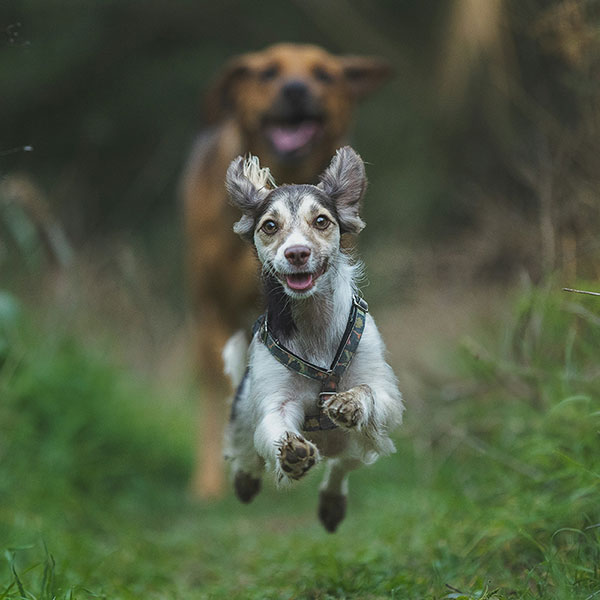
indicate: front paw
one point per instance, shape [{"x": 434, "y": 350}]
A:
[
  {"x": 296, "y": 456},
  {"x": 347, "y": 409}
]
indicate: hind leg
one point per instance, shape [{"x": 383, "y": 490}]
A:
[
  {"x": 333, "y": 494},
  {"x": 246, "y": 465},
  {"x": 247, "y": 468}
]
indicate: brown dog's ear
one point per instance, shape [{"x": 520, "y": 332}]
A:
[
  {"x": 364, "y": 74},
  {"x": 247, "y": 185},
  {"x": 345, "y": 183},
  {"x": 219, "y": 99}
]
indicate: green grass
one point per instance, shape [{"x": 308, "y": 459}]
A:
[{"x": 492, "y": 494}]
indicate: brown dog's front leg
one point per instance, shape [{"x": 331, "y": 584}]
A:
[{"x": 208, "y": 479}]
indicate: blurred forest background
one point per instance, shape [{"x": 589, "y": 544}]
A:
[
  {"x": 482, "y": 149},
  {"x": 484, "y": 165}
]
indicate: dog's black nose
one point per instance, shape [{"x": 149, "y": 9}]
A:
[
  {"x": 297, "y": 255},
  {"x": 295, "y": 91}
]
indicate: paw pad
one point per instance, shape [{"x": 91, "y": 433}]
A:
[
  {"x": 344, "y": 409},
  {"x": 296, "y": 456}
]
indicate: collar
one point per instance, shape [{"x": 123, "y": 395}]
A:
[{"x": 330, "y": 377}]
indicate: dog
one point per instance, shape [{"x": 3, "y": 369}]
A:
[
  {"x": 288, "y": 412},
  {"x": 291, "y": 105}
]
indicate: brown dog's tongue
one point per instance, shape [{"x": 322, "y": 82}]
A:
[{"x": 288, "y": 138}]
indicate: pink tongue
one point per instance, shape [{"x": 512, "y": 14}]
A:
[
  {"x": 300, "y": 282},
  {"x": 288, "y": 138}
]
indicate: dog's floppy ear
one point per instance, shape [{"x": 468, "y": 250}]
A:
[
  {"x": 345, "y": 183},
  {"x": 364, "y": 74},
  {"x": 247, "y": 185},
  {"x": 219, "y": 99}
]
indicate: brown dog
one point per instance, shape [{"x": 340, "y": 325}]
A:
[{"x": 290, "y": 105}]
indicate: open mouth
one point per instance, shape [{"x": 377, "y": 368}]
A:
[
  {"x": 293, "y": 137},
  {"x": 302, "y": 282}
]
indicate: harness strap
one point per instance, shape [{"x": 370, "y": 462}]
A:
[{"x": 329, "y": 378}]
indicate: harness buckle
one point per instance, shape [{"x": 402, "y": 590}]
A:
[
  {"x": 323, "y": 396},
  {"x": 360, "y": 302}
]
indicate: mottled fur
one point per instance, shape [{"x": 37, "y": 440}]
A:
[{"x": 266, "y": 430}]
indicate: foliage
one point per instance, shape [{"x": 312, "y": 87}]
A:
[
  {"x": 492, "y": 495},
  {"x": 70, "y": 417}
]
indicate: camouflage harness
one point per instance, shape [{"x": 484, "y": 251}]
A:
[{"x": 329, "y": 378}]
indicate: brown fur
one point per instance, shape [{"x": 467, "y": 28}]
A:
[{"x": 222, "y": 270}]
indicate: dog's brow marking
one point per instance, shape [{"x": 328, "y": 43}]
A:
[
  {"x": 316, "y": 209},
  {"x": 312, "y": 208},
  {"x": 301, "y": 202},
  {"x": 272, "y": 206},
  {"x": 278, "y": 211},
  {"x": 302, "y": 207},
  {"x": 282, "y": 211},
  {"x": 291, "y": 200},
  {"x": 272, "y": 213}
]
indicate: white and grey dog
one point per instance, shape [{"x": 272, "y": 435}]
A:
[{"x": 311, "y": 295}]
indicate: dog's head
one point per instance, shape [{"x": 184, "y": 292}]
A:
[
  {"x": 292, "y": 101},
  {"x": 296, "y": 229}
]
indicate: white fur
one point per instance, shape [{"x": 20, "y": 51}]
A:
[
  {"x": 259, "y": 177},
  {"x": 234, "y": 357}
]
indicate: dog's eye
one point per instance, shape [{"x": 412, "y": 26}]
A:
[
  {"x": 322, "y": 75},
  {"x": 269, "y": 73},
  {"x": 269, "y": 227},
  {"x": 321, "y": 222}
]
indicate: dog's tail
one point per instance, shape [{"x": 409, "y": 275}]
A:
[{"x": 234, "y": 357}]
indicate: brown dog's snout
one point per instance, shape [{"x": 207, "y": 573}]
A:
[
  {"x": 295, "y": 91},
  {"x": 297, "y": 255}
]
